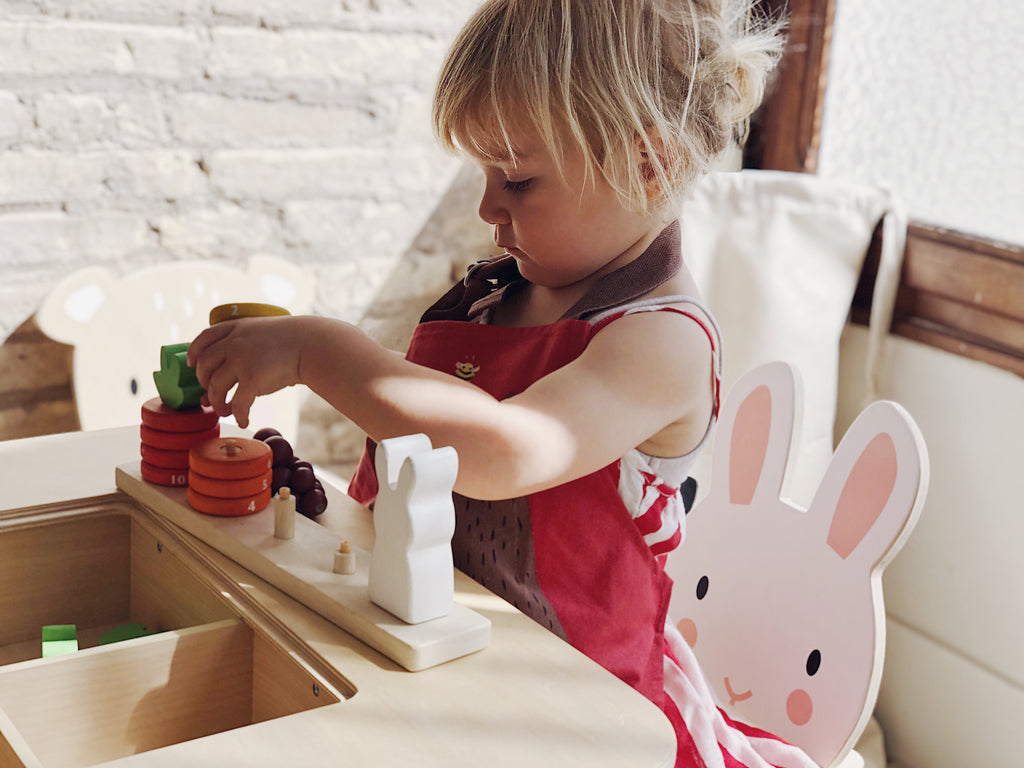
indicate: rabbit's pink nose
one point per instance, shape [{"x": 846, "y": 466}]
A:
[{"x": 733, "y": 696}]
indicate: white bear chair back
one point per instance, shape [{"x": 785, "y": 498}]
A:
[
  {"x": 117, "y": 326},
  {"x": 783, "y": 607}
]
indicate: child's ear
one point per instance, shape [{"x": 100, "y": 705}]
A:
[{"x": 643, "y": 147}]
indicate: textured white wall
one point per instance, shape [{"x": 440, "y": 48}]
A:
[
  {"x": 927, "y": 96},
  {"x": 138, "y": 131}
]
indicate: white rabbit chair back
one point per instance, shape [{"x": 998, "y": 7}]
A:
[{"x": 783, "y": 607}]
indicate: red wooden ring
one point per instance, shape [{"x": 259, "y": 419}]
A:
[
  {"x": 231, "y": 458},
  {"x": 247, "y": 505},
  {"x": 159, "y": 416},
  {"x": 176, "y": 441},
  {"x": 176, "y": 478},
  {"x": 164, "y": 459},
  {"x": 229, "y": 489}
]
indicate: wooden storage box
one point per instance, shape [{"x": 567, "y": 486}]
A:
[{"x": 209, "y": 668}]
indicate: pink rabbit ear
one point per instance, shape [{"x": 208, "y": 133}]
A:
[
  {"x": 874, "y": 487},
  {"x": 864, "y": 496},
  {"x": 749, "y": 444},
  {"x": 754, "y": 438}
]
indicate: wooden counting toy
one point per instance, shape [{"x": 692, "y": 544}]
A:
[
  {"x": 230, "y": 507},
  {"x": 414, "y": 519},
  {"x": 174, "y": 477},
  {"x": 245, "y": 309},
  {"x": 175, "y": 441},
  {"x": 167, "y": 435},
  {"x": 157, "y": 415},
  {"x": 303, "y": 566},
  {"x": 231, "y": 458},
  {"x": 230, "y": 476},
  {"x": 176, "y": 381},
  {"x": 226, "y": 489},
  {"x": 164, "y": 459}
]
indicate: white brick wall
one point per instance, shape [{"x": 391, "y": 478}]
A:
[{"x": 135, "y": 131}]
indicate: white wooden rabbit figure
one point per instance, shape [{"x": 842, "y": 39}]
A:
[
  {"x": 411, "y": 570},
  {"x": 783, "y": 607}
]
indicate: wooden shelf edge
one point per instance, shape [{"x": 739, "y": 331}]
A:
[{"x": 954, "y": 319}]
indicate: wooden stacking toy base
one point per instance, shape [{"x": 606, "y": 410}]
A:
[{"x": 303, "y": 567}]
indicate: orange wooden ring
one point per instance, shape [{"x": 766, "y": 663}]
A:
[
  {"x": 164, "y": 459},
  {"x": 247, "y": 505},
  {"x": 159, "y": 416},
  {"x": 175, "y": 441},
  {"x": 177, "y": 478},
  {"x": 231, "y": 458},
  {"x": 229, "y": 489}
]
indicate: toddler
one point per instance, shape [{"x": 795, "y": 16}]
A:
[{"x": 577, "y": 375}]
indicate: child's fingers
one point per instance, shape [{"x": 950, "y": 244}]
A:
[
  {"x": 208, "y": 353},
  {"x": 207, "y": 366},
  {"x": 217, "y": 386},
  {"x": 201, "y": 343},
  {"x": 241, "y": 402}
]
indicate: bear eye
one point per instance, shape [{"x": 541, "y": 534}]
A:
[
  {"x": 134, "y": 386},
  {"x": 702, "y": 587},
  {"x": 813, "y": 662}
]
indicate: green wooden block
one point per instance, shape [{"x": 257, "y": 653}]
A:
[
  {"x": 124, "y": 632},
  {"x": 59, "y": 639},
  {"x": 176, "y": 382}
]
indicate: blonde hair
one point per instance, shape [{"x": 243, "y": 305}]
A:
[{"x": 673, "y": 79}]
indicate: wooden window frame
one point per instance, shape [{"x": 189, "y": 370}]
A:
[{"x": 958, "y": 292}]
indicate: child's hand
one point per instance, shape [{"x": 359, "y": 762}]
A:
[{"x": 260, "y": 355}]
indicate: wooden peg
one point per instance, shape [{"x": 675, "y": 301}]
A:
[{"x": 284, "y": 514}]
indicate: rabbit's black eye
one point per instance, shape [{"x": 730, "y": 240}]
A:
[
  {"x": 702, "y": 587},
  {"x": 134, "y": 386},
  {"x": 813, "y": 662}
]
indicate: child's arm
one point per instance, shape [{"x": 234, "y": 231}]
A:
[{"x": 638, "y": 375}]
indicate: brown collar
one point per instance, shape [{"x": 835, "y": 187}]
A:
[{"x": 490, "y": 281}]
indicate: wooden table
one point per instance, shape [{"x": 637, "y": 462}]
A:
[{"x": 527, "y": 699}]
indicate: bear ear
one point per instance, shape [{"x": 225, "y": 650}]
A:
[
  {"x": 282, "y": 283},
  {"x": 753, "y": 441},
  {"x": 68, "y": 310}
]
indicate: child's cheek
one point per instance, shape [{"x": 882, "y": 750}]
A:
[
  {"x": 688, "y": 630},
  {"x": 799, "y": 707}
]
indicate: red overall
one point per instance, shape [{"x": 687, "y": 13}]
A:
[{"x": 571, "y": 557}]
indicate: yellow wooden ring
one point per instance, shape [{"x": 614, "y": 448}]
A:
[{"x": 246, "y": 309}]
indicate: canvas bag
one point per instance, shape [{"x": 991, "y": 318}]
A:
[{"x": 777, "y": 257}]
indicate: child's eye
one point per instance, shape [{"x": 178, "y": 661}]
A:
[{"x": 518, "y": 186}]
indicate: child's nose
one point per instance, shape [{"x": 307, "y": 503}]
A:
[{"x": 491, "y": 208}]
